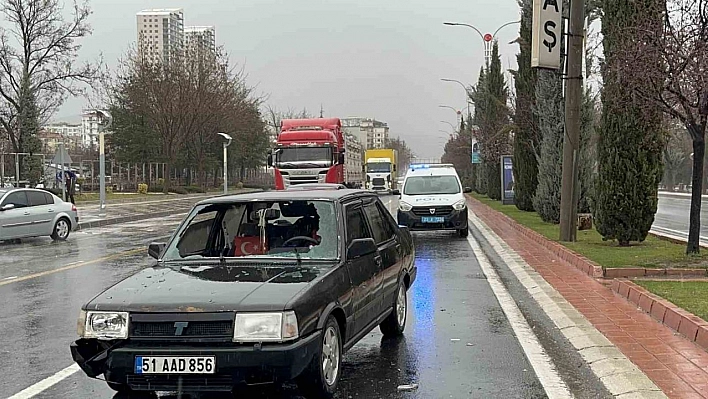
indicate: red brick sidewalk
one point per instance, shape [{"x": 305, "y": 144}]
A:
[{"x": 677, "y": 366}]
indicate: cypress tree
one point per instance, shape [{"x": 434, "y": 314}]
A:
[
  {"x": 526, "y": 135},
  {"x": 495, "y": 124},
  {"x": 630, "y": 140},
  {"x": 478, "y": 97},
  {"x": 550, "y": 110}
]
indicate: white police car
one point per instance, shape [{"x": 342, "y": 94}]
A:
[{"x": 433, "y": 198}]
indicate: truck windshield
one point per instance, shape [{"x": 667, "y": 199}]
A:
[
  {"x": 378, "y": 167},
  {"x": 426, "y": 185},
  {"x": 305, "y": 156}
]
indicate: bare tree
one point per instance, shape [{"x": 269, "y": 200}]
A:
[
  {"x": 680, "y": 87},
  {"x": 38, "y": 51}
]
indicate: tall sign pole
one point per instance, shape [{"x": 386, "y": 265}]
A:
[{"x": 570, "y": 187}]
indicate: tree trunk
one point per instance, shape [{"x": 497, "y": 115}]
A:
[
  {"x": 166, "y": 177},
  {"x": 699, "y": 146}
]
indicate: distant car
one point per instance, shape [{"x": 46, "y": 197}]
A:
[
  {"x": 316, "y": 186},
  {"x": 26, "y": 212},
  {"x": 432, "y": 199},
  {"x": 252, "y": 289}
]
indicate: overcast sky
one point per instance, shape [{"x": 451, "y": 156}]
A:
[{"x": 369, "y": 58}]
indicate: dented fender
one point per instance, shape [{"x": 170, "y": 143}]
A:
[{"x": 91, "y": 355}]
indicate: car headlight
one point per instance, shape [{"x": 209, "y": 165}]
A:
[
  {"x": 103, "y": 325},
  {"x": 259, "y": 327},
  {"x": 459, "y": 205},
  {"x": 404, "y": 206}
]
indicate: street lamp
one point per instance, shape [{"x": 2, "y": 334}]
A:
[
  {"x": 487, "y": 38},
  {"x": 227, "y": 142},
  {"x": 451, "y": 125},
  {"x": 107, "y": 121},
  {"x": 466, "y": 91}
]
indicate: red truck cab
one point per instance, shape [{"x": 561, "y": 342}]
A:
[{"x": 308, "y": 151}]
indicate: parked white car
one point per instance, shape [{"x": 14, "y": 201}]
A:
[{"x": 26, "y": 212}]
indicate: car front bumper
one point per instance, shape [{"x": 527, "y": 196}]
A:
[
  {"x": 236, "y": 364},
  {"x": 455, "y": 220}
]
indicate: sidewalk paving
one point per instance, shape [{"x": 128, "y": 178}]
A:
[{"x": 677, "y": 366}]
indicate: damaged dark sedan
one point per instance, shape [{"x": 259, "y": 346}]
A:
[{"x": 253, "y": 289}]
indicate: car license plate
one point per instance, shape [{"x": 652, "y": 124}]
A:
[
  {"x": 175, "y": 364},
  {"x": 432, "y": 219}
]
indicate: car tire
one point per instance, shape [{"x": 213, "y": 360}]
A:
[
  {"x": 61, "y": 230},
  {"x": 320, "y": 380},
  {"x": 118, "y": 387},
  {"x": 463, "y": 232},
  {"x": 395, "y": 323}
]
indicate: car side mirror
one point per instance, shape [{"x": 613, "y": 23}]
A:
[
  {"x": 7, "y": 207},
  {"x": 396, "y": 192},
  {"x": 361, "y": 247},
  {"x": 155, "y": 249},
  {"x": 394, "y": 168},
  {"x": 467, "y": 190},
  {"x": 340, "y": 158}
]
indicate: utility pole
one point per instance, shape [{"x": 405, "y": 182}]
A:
[{"x": 570, "y": 187}]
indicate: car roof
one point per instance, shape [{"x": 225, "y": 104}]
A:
[
  {"x": 438, "y": 171},
  {"x": 286, "y": 195}
]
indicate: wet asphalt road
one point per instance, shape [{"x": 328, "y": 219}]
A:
[
  {"x": 672, "y": 216},
  {"x": 458, "y": 342}
]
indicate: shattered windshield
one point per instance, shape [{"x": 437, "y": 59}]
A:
[{"x": 282, "y": 229}]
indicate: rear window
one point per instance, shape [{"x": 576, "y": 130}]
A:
[{"x": 36, "y": 198}]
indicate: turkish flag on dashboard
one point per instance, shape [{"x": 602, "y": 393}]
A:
[{"x": 244, "y": 246}]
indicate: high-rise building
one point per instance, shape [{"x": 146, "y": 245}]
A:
[
  {"x": 160, "y": 33},
  {"x": 91, "y": 120},
  {"x": 370, "y": 132},
  {"x": 200, "y": 38}
]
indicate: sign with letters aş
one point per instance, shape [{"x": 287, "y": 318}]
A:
[{"x": 546, "y": 34}]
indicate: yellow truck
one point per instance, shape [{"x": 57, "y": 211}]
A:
[{"x": 380, "y": 166}]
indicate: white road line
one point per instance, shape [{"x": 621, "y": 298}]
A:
[
  {"x": 46, "y": 383},
  {"x": 539, "y": 360}
]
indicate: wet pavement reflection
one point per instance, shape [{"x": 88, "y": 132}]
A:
[{"x": 457, "y": 343}]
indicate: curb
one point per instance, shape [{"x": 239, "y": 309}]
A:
[
  {"x": 576, "y": 260},
  {"x": 631, "y": 272},
  {"x": 685, "y": 323},
  {"x": 125, "y": 219}
]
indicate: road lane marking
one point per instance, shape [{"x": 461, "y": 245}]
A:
[
  {"x": 538, "y": 358},
  {"x": 46, "y": 383},
  {"x": 72, "y": 265},
  {"x": 595, "y": 349}
]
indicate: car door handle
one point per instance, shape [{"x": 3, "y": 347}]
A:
[
  {"x": 26, "y": 213},
  {"x": 50, "y": 210}
]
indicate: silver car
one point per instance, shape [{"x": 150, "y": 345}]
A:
[{"x": 26, "y": 212}]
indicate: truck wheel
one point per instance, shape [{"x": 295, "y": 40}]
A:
[
  {"x": 321, "y": 377},
  {"x": 395, "y": 323}
]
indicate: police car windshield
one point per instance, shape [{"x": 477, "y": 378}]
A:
[{"x": 426, "y": 185}]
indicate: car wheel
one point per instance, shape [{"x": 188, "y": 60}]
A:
[
  {"x": 122, "y": 388},
  {"x": 61, "y": 230},
  {"x": 320, "y": 378},
  {"x": 463, "y": 232},
  {"x": 395, "y": 323}
]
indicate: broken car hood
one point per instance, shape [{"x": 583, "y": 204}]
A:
[{"x": 206, "y": 288}]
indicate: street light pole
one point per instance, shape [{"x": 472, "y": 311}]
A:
[
  {"x": 454, "y": 129},
  {"x": 487, "y": 39},
  {"x": 105, "y": 116},
  {"x": 466, "y": 91},
  {"x": 227, "y": 142}
]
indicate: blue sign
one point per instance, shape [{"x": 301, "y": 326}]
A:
[
  {"x": 476, "y": 158},
  {"x": 507, "y": 179}
]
